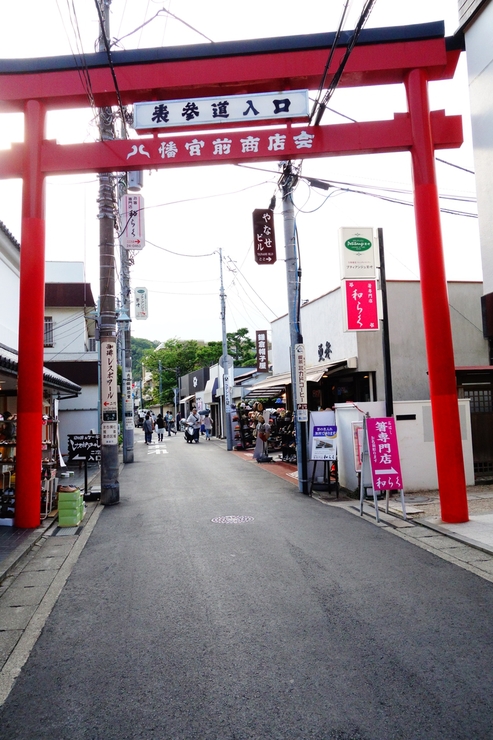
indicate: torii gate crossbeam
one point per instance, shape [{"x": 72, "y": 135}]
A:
[{"x": 410, "y": 55}]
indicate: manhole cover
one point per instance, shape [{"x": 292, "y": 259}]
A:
[{"x": 232, "y": 519}]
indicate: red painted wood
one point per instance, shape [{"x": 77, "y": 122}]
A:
[
  {"x": 372, "y": 64},
  {"x": 436, "y": 313}
]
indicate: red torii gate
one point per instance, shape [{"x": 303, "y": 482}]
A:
[{"x": 411, "y": 55}]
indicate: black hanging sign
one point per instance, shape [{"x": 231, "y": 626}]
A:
[{"x": 264, "y": 239}]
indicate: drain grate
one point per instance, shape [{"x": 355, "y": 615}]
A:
[
  {"x": 232, "y": 519},
  {"x": 61, "y": 531}
]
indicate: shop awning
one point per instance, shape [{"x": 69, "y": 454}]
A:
[
  {"x": 9, "y": 361},
  {"x": 276, "y": 384},
  {"x": 187, "y": 398},
  {"x": 210, "y": 390}
]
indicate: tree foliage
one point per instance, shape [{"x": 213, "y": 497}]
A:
[
  {"x": 176, "y": 357},
  {"x": 242, "y": 348}
]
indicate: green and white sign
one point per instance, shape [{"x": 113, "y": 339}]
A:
[{"x": 357, "y": 253}]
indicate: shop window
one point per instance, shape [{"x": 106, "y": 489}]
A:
[
  {"x": 481, "y": 400},
  {"x": 49, "y": 342}
]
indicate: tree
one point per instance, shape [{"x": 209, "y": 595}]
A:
[
  {"x": 138, "y": 348},
  {"x": 242, "y": 348},
  {"x": 177, "y": 358},
  {"x": 208, "y": 354}
]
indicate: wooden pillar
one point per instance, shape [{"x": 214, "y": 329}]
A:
[
  {"x": 436, "y": 313},
  {"x": 31, "y": 325}
]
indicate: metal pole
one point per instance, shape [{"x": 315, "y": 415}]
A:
[
  {"x": 160, "y": 366},
  {"x": 292, "y": 279},
  {"x": 126, "y": 361},
  {"x": 110, "y": 487},
  {"x": 226, "y": 369},
  {"x": 387, "y": 366}
]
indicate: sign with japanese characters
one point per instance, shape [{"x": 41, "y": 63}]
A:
[
  {"x": 159, "y": 114},
  {"x": 301, "y": 389},
  {"x": 264, "y": 239},
  {"x": 127, "y": 391},
  {"x": 357, "y": 253},
  {"x": 236, "y": 146},
  {"x": 324, "y": 442},
  {"x": 141, "y": 303},
  {"x": 383, "y": 452},
  {"x": 262, "y": 352},
  {"x": 132, "y": 221},
  {"x": 87, "y": 446},
  {"x": 361, "y": 308},
  {"x": 109, "y": 433},
  {"x": 109, "y": 389}
]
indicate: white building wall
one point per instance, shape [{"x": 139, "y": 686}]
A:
[
  {"x": 321, "y": 322},
  {"x": 69, "y": 335},
  {"x": 65, "y": 272},
  {"x": 9, "y": 280},
  {"x": 78, "y": 415},
  {"x": 479, "y": 50}
]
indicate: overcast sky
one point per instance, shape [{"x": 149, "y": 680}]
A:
[{"x": 195, "y": 211}]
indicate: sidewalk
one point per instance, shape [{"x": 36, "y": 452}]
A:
[{"x": 15, "y": 543}]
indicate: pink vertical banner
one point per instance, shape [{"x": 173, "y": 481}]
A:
[
  {"x": 383, "y": 451},
  {"x": 361, "y": 305}
]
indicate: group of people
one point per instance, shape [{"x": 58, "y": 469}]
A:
[
  {"x": 159, "y": 424},
  {"x": 198, "y": 425}
]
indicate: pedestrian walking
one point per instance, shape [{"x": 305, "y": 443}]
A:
[
  {"x": 263, "y": 431},
  {"x": 148, "y": 427},
  {"x": 207, "y": 422},
  {"x": 193, "y": 422},
  {"x": 169, "y": 423},
  {"x": 160, "y": 425},
  {"x": 178, "y": 420}
]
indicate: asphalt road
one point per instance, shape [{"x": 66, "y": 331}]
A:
[{"x": 303, "y": 622}]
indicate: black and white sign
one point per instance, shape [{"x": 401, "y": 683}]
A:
[{"x": 161, "y": 114}]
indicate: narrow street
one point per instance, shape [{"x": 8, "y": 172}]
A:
[{"x": 216, "y": 601}]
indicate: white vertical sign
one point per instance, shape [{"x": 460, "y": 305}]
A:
[
  {"x": 357, "y": 253},
  {"x": 141, "y": 303},
  {"x": 132, "y": 221},
  {"x": 301, "y": 390}
]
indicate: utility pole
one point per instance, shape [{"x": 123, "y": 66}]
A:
[
  {"x": 227, "y": 369},
  {"x": 387, "y": 366},
  {"x": 127, "y": 421},
  {"x": 292, "y": 279},
  {"x": 110, "y": 487}
]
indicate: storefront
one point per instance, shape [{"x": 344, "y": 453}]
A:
[{"x": 55, "y": 388}]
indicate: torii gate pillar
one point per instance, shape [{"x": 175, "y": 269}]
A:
[
  {"x": 31, "y": 323},
  {"x": 436, "y": 312}
]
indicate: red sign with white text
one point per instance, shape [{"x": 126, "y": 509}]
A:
[
  {"x": 361, "y": 305},
  {"x": 383, "y": 451}
]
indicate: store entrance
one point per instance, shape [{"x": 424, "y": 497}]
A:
[{"x": 346, "y": 388}]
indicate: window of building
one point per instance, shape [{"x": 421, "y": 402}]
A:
[{"x": 49, "y": 331}]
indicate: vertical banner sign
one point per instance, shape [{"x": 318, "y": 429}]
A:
[
  {"x": 264, "y": 239},
  {"x": 262, "y": 352},
  {"x": 361, "y": 308},
  {"x": 141, "y": 303},
  {"x": 132, "y": 220},
  {"x": 383, "y": 450},
  {"x": 357, "y": 436},
  {"x": 109, "y": 393},
  {"x": 301, "y": 390},
  {"x": 129, "y": 401},
  {"x": 357, "y": 253}
]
